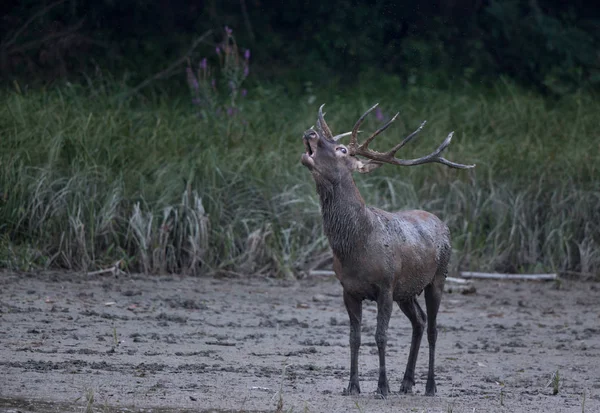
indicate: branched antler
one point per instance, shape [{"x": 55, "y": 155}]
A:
[{"x": 389, "y": 156}]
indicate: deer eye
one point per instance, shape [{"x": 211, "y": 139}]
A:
[{"x": 342, "y": 150}]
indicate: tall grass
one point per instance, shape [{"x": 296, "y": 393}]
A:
[{"x": 87, "y": 179}]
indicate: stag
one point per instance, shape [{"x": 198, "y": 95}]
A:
[{"x": 381, "y": 256}]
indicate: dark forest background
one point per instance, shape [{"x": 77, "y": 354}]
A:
[{"x": 549, "y": 45}]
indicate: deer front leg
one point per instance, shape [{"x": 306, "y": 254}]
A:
[
  {"x": 384, "y": 312},
  {"x": 354, "y": 308}
]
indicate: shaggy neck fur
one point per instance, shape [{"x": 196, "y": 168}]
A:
[{"x": 345, "y": 215}]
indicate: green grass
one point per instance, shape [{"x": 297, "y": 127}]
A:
[{"x": 87, "y": 178}]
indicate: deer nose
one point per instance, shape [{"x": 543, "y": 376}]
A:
[{"x": 310, "y": 135}]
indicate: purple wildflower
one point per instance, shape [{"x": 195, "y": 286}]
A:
[
  {"x": 246, "y": 71},
  {"x": 218, "y": 50},
  {"x": 228, "y": 31},
  {"x": 203, "y": 64},
  {"x": 379, "y": 115},
  {"x": 231, "y": 111},
  {"x": 244, "y": 92},
  {"x": 247, "y": 54},
  {"x": 192, "y": 81}
]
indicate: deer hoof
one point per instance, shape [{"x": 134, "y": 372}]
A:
[
  {"x": 382, "y": 392},
  {"x": 352, "y": 390},
  {"x": 430, "y": 388},
  {"x": 406, "y": 387}
]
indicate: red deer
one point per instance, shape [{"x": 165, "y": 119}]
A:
[{"x": 378, "y": 255}]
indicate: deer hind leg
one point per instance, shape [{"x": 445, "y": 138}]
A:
[
  {"x": 354, "y": 308},
  {"x": 433, "y": 297},
  {"x": 418, "y": 319}
]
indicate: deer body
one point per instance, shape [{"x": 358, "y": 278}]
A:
[
  {"x": 402, "y": 250},
  {"x": 378, "y": 255}
]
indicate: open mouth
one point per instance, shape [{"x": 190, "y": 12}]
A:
[
  {"x": 310, "y": 146},
  {"x": 308, "y": 157},
  {"x": 309, "y": 149}
]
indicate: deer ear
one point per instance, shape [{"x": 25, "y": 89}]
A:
[{"x": 363, "y": 167}]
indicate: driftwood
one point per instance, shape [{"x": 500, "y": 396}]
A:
[
  {"x": 321, "y": 273},
  {"x": 115, "y": 269},
  {"x": 466, "y": 275},
  {"x": 498, "y": 276},
  {"x": 457, "y": 280}
]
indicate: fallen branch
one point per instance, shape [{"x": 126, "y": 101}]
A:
[
  {"x": 114, "y": 270},
  {"x": 466, "y": 276},
  {"x": 457, "y": 280},
  {"x": 498, "y": 276},
  {"x": 321, "y": 273}
]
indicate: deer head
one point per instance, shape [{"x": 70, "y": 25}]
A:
[
  {"x": 330, "y": 160},
  {"x": 327, "y": 158}
]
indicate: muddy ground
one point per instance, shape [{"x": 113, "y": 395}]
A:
[{"x": 71, "y": 342}]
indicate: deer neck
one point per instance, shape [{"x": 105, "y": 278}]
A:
[{"x": 345, "y": 215}]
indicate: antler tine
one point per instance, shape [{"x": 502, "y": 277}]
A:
[
  {"x": 409, "y": 138},
  {"x": 366, "y": 143},
  {"x": 323, "y": 125},
  {"x": 354, "y": 140},
  {"x": 340, "y": 136},
  {"x": 434, "y": 157}
]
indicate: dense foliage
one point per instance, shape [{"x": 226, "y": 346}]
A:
[{"x": 550, "y": 44}]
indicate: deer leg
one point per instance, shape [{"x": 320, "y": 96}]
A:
[
  {"x": 384, "y": 312},
  {"x": 354, "y": 308},
  {"x": 433, "y": 296},
  {"x": 418, "y": 319}
]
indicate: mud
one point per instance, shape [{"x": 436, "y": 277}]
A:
[{"x": 74, "y": 343}]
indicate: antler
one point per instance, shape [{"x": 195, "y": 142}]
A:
[
  {"x": 322, "y": 126},
  {"x": 389, "y": 156}
]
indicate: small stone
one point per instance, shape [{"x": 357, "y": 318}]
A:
[{"x": 318, "y": 298}]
